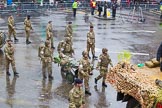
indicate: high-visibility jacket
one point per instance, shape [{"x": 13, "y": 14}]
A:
[
  {"x": 75, "y": 5},
  {"x": 160, "y": 6},
  {"x": 93, "y": 4}
]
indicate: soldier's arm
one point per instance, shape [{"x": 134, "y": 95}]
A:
[
  {"x": 31, "y": 26},
  {"x": 99, "y": 62},
  {"x": 88, "y": 38},
  {"x": 110, "y": 61}
]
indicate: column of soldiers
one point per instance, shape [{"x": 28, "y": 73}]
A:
[
  {"x": 76, "y": 95},
  {"x": 9, "y": 48}
]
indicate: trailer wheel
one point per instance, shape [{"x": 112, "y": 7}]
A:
[{"x": 133, "y": 103}]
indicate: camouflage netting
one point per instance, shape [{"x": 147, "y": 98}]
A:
[{"x": 124, "y": 78}]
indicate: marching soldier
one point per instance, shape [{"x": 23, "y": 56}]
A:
[
  {"x": 84, "y": 71},
  {"x": 9, "y": 56},
  {"x": 11, "y": 28},
  {"x": 67, "y": 48},
  {"x": 28, "y": 27},
  {"x": 49, "y": 33},
  {"x": 104, "y": 61},
  {"x": 1, "y": 39},
  {"x": 76, "y": 95},
  {"x": 69, "y": 31},
  {"x": 46, "y": 55},
  {"x": 91, "y": 42}
]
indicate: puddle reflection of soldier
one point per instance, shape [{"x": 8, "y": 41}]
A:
[
  {"x": 49, "y": 33},
  {"x": 11, "y": 28},
  {"x": 102, "y": 103},
  {"x": 10, "y": 87},
  {"x": 46, "y": 90}
]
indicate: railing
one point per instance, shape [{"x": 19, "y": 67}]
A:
[{"x": 21, "y": 7}]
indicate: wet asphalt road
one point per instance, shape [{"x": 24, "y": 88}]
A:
[{"x": 30, "y": 91}]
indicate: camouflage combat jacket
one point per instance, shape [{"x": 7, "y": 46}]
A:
[
  {"x": 9, "y": 52},
  {"x": 90, "y": 38},
  {"x": 27, "y": 24}
]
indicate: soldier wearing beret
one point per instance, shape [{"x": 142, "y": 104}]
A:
[
  {"x": 69, "y": 31},
  {"x": 91, "y": 41},
  {"x": 28, "y": 28},
  {"x": 49, "y": 33},
  {"x": 76, "y": 99}
]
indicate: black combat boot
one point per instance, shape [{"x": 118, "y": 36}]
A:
[
  {"x": 103, "y": 84},
  {"x": 87, "y": 92},
  {"x": 50, "y": 77},
  {"x": 44, "y": 77},
  {"x": 16, "y": 40},
  {"x": 8, "y": 73},
  {"x": 95, "y": 57},
  {"x": 16, "y": 74},
  {"x": 95, "y": 80},
  {"x": 53, "y": 47}
]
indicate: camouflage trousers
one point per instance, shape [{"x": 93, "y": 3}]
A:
[
  {"x": 103, "y": 74},
  {"x": 12, "y": 62},
  {"x": 27, "y": 32},
  {"x": 91, "y": 47},
  {"x": 85, "y": 79},
  {"x": 73, "y": 105},
  {"x": 46, "y": 66},
  {"x": 11, "y": 32}
]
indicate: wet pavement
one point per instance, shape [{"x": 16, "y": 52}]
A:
[{"x": 30, "y": 91}]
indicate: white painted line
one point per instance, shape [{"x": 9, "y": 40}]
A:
[
  {"x": 138, "y": 31},
  {"x": 111, "y": 52}
]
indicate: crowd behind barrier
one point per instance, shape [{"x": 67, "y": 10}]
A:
[{"x": 83, "y": 5}]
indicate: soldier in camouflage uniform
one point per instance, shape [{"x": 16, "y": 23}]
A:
[
  {"x": 60, "y": 46},
  {"x": 104, "y": 61},
  {"x": 49, "y": 33},
  {"x": 84, "y": 71},
  {"x": 67, "y": 48},
  {"x": 1, "y": 39},
  {"x": 91, "y": 42},
  {"x": 28, "y": 27},
  {"x": 76, "y": 95},
  {"x": 9, "y": 56},
  {"x": 69, "y": 31},
  {"x": 11, "y": 28},
  {"x": 46, "y": 55}
]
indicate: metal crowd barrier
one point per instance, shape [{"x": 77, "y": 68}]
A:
[{"x": 22, "y": 7}]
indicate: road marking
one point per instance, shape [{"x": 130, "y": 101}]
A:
[
  {"x": 113, "y": 52},
  {"x": 139, "y": 31}
]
